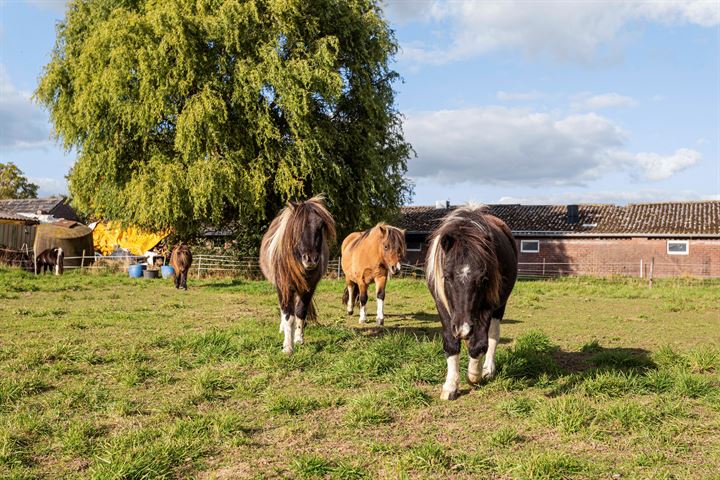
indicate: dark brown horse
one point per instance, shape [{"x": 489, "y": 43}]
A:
[
  {"x": 471, "y": 268},
  {"x": 50, "y": 259},
  {"x": 293, "y": 257},
  {"x": 367, "y": 257},
  {"x": 181, "y": 260}
]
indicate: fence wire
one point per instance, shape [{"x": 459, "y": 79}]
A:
[{"x": 249, "y": 267}]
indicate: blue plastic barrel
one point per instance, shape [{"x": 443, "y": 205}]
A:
[
  {"x": 167, "y": 271},
  {"x": 135, "y": 271}
]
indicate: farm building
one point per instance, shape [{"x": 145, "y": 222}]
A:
[
  {"x": 19, "y": 219},
  {"x": 58, "y": 207},
  {"x": 672, "y": 239},
  {"x": 16, "y": 231}
]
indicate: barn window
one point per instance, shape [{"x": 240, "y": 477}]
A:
[
  {"x": 678, "y": 247},
  {"x": 413, "y": 246},
  {"x": 530, "y": 246}
]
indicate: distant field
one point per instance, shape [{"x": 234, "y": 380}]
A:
[{"x": 102, "y": 376}]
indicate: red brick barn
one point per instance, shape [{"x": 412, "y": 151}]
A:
[{"x": 676, "y": 238}]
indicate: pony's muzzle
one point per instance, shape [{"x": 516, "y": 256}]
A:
[
  {"x": 310, "y": 262},
  {"x": 395, "y": 268},
  {"x": 462, "y": 332}
]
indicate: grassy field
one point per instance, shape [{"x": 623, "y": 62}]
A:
[{"x": 102, "y": 376}]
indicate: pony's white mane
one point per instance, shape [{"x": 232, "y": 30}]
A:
[
  {"x": 436, "y": 255},
  {"x": 274, "y": 240}
]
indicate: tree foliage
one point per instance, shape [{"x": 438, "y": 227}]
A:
[
  {"x": 13, "y": 184},
  {"x": 185, "y": 112}
]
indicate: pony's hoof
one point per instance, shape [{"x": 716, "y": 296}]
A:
[
  {"x": 361, "y": 320},
  {"x": 288, "y": 350},
  {"x": 488, "y": 373},
  {"x": 449, "y": 394},
  {"x": 380, "y": 321},
  {"x": 299, "y": 341},
  {"x": 349, "y": 312},
  {"x": 473, "y": 378}
]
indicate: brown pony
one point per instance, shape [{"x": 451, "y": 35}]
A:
[
  {"x": 294, "y": 254},
  {"x": 181, "y": 260},
  {"x": 367, "y": 257},
  {"x": 50, "y": 259},
  {"x": 471, "y": 268}
]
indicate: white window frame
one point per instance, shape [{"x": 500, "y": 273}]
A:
[
  {"x": 685, "y": 242},
  {"x": 525, "y": 250},
  {"x": 408, "y": 249}
]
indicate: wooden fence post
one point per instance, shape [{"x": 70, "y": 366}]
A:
[
  {"x": 82, "y": 260},
  {"x": 641, "y": 268},
  {"x": 652, "y": 268},
  {"x": 338, "y": 271}
]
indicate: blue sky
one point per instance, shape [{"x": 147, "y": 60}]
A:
[{"x": 513, "y": 101}]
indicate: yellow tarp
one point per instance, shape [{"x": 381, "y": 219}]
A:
[{"x": 107, "y": 236}]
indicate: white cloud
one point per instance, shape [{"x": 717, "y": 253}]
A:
[
  {"x": 50, "y": 186},
  {"x": 513, "y": 146},
  {"x": 660, "y": 167},
  {"x": 586, "y": 101},
  {"x": 565, "y": 31},
  {"x": 518, "y": 96},
  {"x": 606, "y": 196},
  {"x": 22, "y": 124}
]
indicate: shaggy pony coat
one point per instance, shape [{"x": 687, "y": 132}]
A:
[{"x": 294, "y": 255}]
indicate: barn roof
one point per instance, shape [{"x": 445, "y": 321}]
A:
[
  {"x": 645, "y": 219},
  {"x": 57, "y": 206},
  {"x": 17, "y": 218}
]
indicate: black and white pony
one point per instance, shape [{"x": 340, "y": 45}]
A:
[
  {"x": 294, "y": 255},
  {"x": 471, "y": 268},
  {"x": 50, "y": 259}
]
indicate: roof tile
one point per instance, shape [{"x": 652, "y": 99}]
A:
[{"x": 700, "y": 218}]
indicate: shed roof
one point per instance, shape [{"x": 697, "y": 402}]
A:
[
  {"x": 645, "y": 219},
  {"x": 57, "y": 206},
  {"x": 18, "y": 218}
]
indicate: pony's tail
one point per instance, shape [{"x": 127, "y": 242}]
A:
[{"x": 346, "y": 295}]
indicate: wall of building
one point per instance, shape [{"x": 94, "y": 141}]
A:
[
  {"x": 612, "y": 256},
  {"x": 16, "y": 235},
  {"x": 620, "y": 256}
]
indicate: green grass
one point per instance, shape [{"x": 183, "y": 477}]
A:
[{"x": 102, "y": 376}]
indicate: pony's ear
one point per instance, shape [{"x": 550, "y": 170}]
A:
[
  {"x": 383, "y": 230},
  {"x": 447, "y": 242},
  {"x": 292, "y": 204}
]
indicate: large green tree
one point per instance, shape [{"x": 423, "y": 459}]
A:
[
  {"x": 185, "y": 112},
  {"x": 13, "y": 184}
]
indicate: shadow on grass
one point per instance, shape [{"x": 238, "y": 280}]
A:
[
  {"x": 233, "y": 283},
  {"x": 619, "y": 358}
]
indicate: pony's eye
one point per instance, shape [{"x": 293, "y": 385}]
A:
[{"x": 386, "y": 247}]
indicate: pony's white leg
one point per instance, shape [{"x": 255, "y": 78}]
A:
[
  {"x": 488, "y": 370},
  {"x": 282, "y": 322},
  {"x": 473, "y": 370},
  {"x": 363, "y": 315},
  {"x": 289, "y": 327},
  {"x": 350, "y": 299},
  {"x": 299, "y": 331},
  {"x": 380, "y": 315},
  {"x": 57, "y": 269},
  {"x": 452, "y": 381}
]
